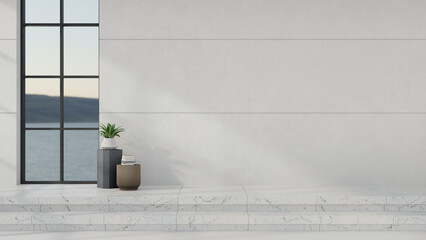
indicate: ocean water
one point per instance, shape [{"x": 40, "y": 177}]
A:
[{"x": 42, "y": 153}]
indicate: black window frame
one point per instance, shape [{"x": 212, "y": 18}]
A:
[{"x": 61, "y": 78}]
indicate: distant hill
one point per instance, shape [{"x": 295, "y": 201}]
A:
[{"x": 43, "y": 108}]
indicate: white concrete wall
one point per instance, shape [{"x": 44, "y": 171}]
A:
[
  {"x": 8, "y": 93},
  {"x": 286, "y": 92}
]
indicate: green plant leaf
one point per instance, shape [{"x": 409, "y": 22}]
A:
[{"x": 110, "y": 130}]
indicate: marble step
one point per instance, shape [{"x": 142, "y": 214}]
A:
[
  {"x": 212, "y": 221},
  {"x": 80, "y": 198},
  {"x": 84, "y": 205}
]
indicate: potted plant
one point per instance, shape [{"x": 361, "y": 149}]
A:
[{"x": 109, "y": 132}]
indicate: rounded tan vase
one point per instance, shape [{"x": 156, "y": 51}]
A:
[{"x": 128, "y": 176}]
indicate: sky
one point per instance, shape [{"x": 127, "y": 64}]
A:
[
  {"x": 80, "y": 47},
  {"x": 73, "y": 87}
]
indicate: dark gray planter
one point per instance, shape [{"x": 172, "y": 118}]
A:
[{"x": 107, "y": 170}]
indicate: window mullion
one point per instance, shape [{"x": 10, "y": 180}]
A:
[
  {"x": 22, "y": 97},
  {"x": 65, "y": 76},
  {"x": 61, "y": 73},
  {"x": 62, "y": 130}
]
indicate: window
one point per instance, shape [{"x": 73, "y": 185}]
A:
[{"x": 59, "y": 95}]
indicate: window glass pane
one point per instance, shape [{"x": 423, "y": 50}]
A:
[
  {"x": 80, "y": 155},
  {"x": 81, "y": 11},
  {"x": 81, "y": 103},
  {"x": 42, "y": 11},
  {"x": 42, "y": 155},
  {"x": 81, "y": 51},
  {"x": 42, "y": 51},
  {"x": 42, "y": 104}
]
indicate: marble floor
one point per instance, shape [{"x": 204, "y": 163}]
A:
[
  {"x": 210, "y": 208},
  {"x": 214, "y": 235}
]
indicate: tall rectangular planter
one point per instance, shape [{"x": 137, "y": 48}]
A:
[{"x": 107, "y": 162}]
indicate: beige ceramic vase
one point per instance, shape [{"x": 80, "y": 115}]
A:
[{"x": 128, "y": 176}]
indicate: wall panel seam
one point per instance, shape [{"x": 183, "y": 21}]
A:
[
  {"x": 263, "y": 39},
  {"x": 277, "y": 113}
]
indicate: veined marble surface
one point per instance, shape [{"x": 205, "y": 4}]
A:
[
  {"x": 208, "y": 198},
  {"x": 210, "y": 208},
  {"x": 227, "y": 198},
  {"x": 216, "y": 221}
]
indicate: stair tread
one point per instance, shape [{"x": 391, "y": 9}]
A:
[
  {"x": 212, "y": 218},
  {"x": 149, "y": 213}
]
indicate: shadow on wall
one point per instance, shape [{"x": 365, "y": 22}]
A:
[
  {"x": 158, "y": 167},
  {"x": 8, "y": 173},
  {"x": 9, "y": 4},
  {"x": 284, "y": 149},
  {"x": 201, "y": 149},
  {"x": 7, "y": 58},
  {"x": 6, "y": 62},
  {"x": 6, "y": 165}
]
